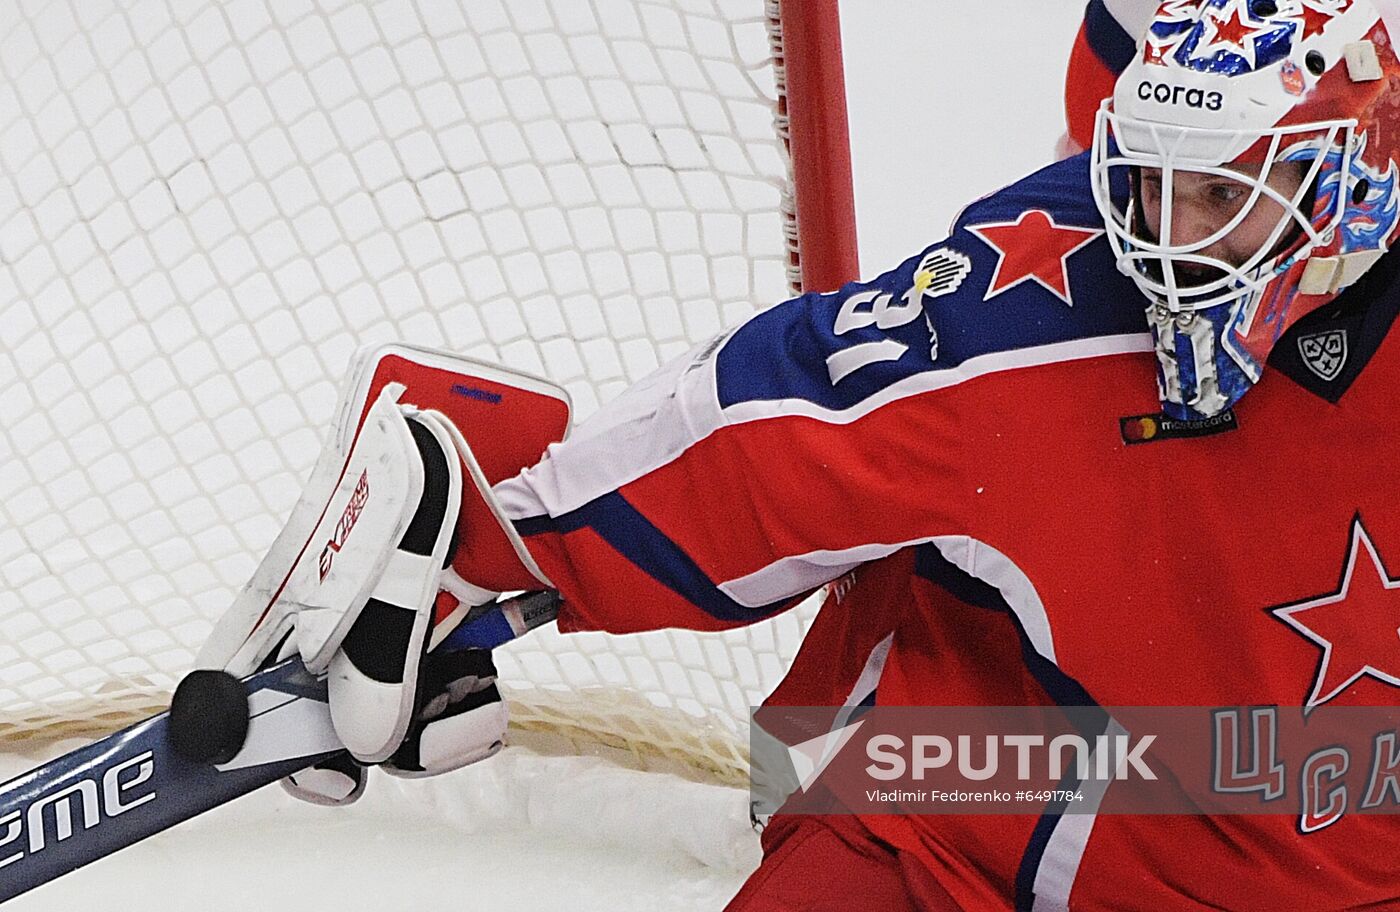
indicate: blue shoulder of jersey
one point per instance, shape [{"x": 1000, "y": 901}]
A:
[
  {"x": 1108, "y": 37},
  {"x": 1027, "y": 266}
]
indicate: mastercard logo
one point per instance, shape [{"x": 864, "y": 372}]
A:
[{"x": 1145, "y": 428}]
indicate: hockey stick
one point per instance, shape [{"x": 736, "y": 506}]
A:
[{"x": 106, "y": 796}]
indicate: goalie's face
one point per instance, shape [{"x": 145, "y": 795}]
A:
[{"x": 1220, "y": 218}]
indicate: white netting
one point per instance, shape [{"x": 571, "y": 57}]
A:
[{"x": 205, "y": 208}]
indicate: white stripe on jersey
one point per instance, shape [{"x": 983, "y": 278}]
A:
[
  {"x": 928, "y": 381},
  {"x": 1064, "y": 851},
  {"x": 653, "y": 422},
  {"x": 980, "y": 560},
  {"x": 800, "y": 573},
  {"x": 645, "y": 428}
]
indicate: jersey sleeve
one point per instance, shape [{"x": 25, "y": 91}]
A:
[
  {"x": 831, "y": 430},
  {"x": 738, "y": 478}
]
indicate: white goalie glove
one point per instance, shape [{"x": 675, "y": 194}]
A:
[{"x": 361, "y": 582}]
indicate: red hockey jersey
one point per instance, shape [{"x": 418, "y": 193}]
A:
[{"x": 974, "y": 436}]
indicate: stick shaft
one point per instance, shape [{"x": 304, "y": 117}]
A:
[{"x": 113, "y": 793}]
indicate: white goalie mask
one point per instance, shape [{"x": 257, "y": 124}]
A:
[{"x": 1244, "y": 173}]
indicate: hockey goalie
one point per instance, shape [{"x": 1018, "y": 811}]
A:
[{"x": 1124, "y": 438}]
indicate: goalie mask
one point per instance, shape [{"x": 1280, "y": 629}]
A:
[{"x": 1244, "y": 170}]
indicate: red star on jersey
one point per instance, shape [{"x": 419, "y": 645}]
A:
[
  {"x": 1357, "y": 627},
  {"x": 1033, "y": 247}
]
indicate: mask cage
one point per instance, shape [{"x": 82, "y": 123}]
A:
[{"x": 1124, "y": 143}]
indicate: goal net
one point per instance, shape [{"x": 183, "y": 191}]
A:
[{"x": 206, "y": 208}]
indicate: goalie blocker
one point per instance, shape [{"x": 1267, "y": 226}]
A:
[{"x": 361, "y": 582}]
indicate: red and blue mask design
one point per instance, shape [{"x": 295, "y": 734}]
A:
[{"x": 1256, "y": 145}]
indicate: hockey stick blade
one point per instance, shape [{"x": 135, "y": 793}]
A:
[
  {"x": 113, "y": 793},
  {"x": 108, "y": 795}
]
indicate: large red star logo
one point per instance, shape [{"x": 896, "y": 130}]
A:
[
  {"x": 1357, "y": 627},
  {"x": 1033, "y": 247}
]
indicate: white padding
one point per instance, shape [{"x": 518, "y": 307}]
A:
[
  {"x": 326, "y": 787},
  {"x": 368, "y": 715},
  {"x": 465, "y": 592},
  {"x": 408, "y": 581},
  {"x": 1355, "y": 265},
  {"x": 1363, "y": 65},
  {"x": 457, "y": 741},
  {"x": 319, "y": 571},
  {"x": 358, "y": 533},
  {"x": 1319, "y": 276}
]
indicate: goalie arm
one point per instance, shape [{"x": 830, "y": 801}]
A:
[
  {"x": 735, "y": 480},
  {"x": 719, "y": 490}
]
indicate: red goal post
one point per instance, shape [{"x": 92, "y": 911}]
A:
[{"x": 813, "y": 98}]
